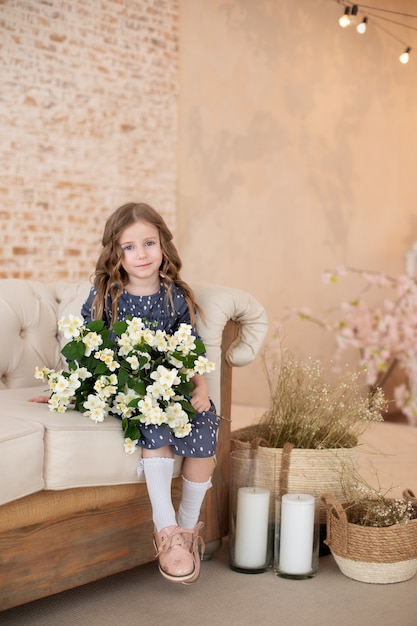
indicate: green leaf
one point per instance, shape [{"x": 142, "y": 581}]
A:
[
  {"x": 138, "y": 386},
  {"x": 73, "y": 351},
  {"x": 200, "y": 347},
  {"x": 189, "y": 361},
  {"x": 95, "y": 326},
  {"x": 79, "y": 403},
  {"x": 119, "y": 328},
  {"x": 107, "y": 343},
  {"x": 184, "y": 388},
  {"x": 188, "y": 407},
  {"x": 131, "y": 431},
  {"x": 134, "y": 421},
  {"x": 122, "y": 377},
  {"x": 101, "y": 368},
  {"x": 142, "y": 362}
]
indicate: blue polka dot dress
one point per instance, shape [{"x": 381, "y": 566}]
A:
[{"x": 201, "y": 441}]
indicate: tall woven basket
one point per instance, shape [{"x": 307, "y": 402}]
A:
[
  {"x": 295, "y": 470},
  {"x": 370, "y": 554}
]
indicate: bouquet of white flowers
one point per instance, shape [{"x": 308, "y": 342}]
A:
[{"x": 144, "y": 376}]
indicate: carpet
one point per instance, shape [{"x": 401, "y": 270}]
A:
[{"x": 142, "y": 597}]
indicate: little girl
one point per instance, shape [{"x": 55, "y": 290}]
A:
[{"x": 138, "y": 274}]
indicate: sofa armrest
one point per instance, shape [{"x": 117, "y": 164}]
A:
[
  {"x": 222, "y": 305},
  {"x": 234, "y": 328}
]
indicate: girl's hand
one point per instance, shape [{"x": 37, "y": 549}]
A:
[
  {"x": 200, "y": 401},
  {"x": 199, "y": 396},
  {"x": 40, "y": 399}
]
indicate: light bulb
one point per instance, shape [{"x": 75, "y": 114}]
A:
[
  {"x": 361, "y": 28},
  {"x": 405, "y": 55},
  {"x": 344, "y": 20}
]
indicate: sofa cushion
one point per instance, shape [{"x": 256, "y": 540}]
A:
[
  {"x": 78, "y": 452},
  {"x": 21, "y": 458}
]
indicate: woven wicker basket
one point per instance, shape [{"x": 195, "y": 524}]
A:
[
  {"x": 294, "y": 470},
  {"x": 369, "y": 554}
]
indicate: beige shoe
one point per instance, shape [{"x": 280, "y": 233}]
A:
[
  {"x": 175, "y": 560},
  {"x": 196, "y": 546}
]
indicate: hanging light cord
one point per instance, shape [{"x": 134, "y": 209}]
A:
[
  {"x": 366, "y": 6},
  {"x": 381, "y": 17},
  {"x": 377, "y": 17},
  {"x": 373, "y": 8}
]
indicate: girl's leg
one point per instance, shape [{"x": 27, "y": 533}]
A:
[
  {"x": 196, "y": 481},
  {"x": 158, "y": 467},
  {"x": 176, "y": 562},
  {"x": 198, "y": 470}
]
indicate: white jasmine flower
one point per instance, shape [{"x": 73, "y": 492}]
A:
[
  {"x": 121, "y": 401},
  {"x": 107, "y": 356},
  {"x": 160, "y": 341},
  {"x": 182, "y": 431},
  {"x": 146, "y": 404},
  {"x": 92, "y": 342},
  {"x": 96, "y": 408},
  {"x": 71, "y": 326},
  {"x": 42, "y": 373},
  {"x": 125, "y": 345},
  {"x": 60, "y": 384},
  {"x": 83, "y": 373},
  {"x": 202, "y": 365},
  {"x": 133, "y": 362},
  {"x": 165, "y": 377},
  {"x": 176, "y": 416},
  {"x": 135, "y": 325},
  {"x": 130, "y": 445},
  {"x": 172, "y": 360}
]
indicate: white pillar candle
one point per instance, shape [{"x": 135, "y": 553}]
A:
[
  {"x": 252, "y": 516},
  {"x": 296, "y": 533}
]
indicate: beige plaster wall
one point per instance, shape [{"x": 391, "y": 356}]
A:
[{"x": 297, "y": 153}]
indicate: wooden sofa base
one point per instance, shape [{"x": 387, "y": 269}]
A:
[{"x": 81, "y": 545}]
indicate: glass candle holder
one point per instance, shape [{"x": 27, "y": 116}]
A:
[
  {"x": 297, "y": 536},
  {"x": 251, "y": 527}
]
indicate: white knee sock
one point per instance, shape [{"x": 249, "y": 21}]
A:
[
  {"x": 158, "y": 475},
  {"x": 191, "y": 501}
]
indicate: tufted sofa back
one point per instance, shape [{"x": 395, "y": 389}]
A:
[{"x": 29, "y": 336}]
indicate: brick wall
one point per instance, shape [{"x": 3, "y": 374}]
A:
[{"x": 88, "y": 120}]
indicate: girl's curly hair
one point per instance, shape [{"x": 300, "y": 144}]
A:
[{"x": 110, "y": 278}]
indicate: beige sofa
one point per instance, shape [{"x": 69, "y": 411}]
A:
[{"x": 72, "y": 508}]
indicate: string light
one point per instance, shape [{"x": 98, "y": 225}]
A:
[
  {"x": 404, "y": 57},
  {"x": 351, "y": 10},
  {"x": 344, "y": 20},
  {"x": 361, "y": 28}
]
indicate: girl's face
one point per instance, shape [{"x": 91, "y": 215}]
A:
[{"x": 142, "y": 254}]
